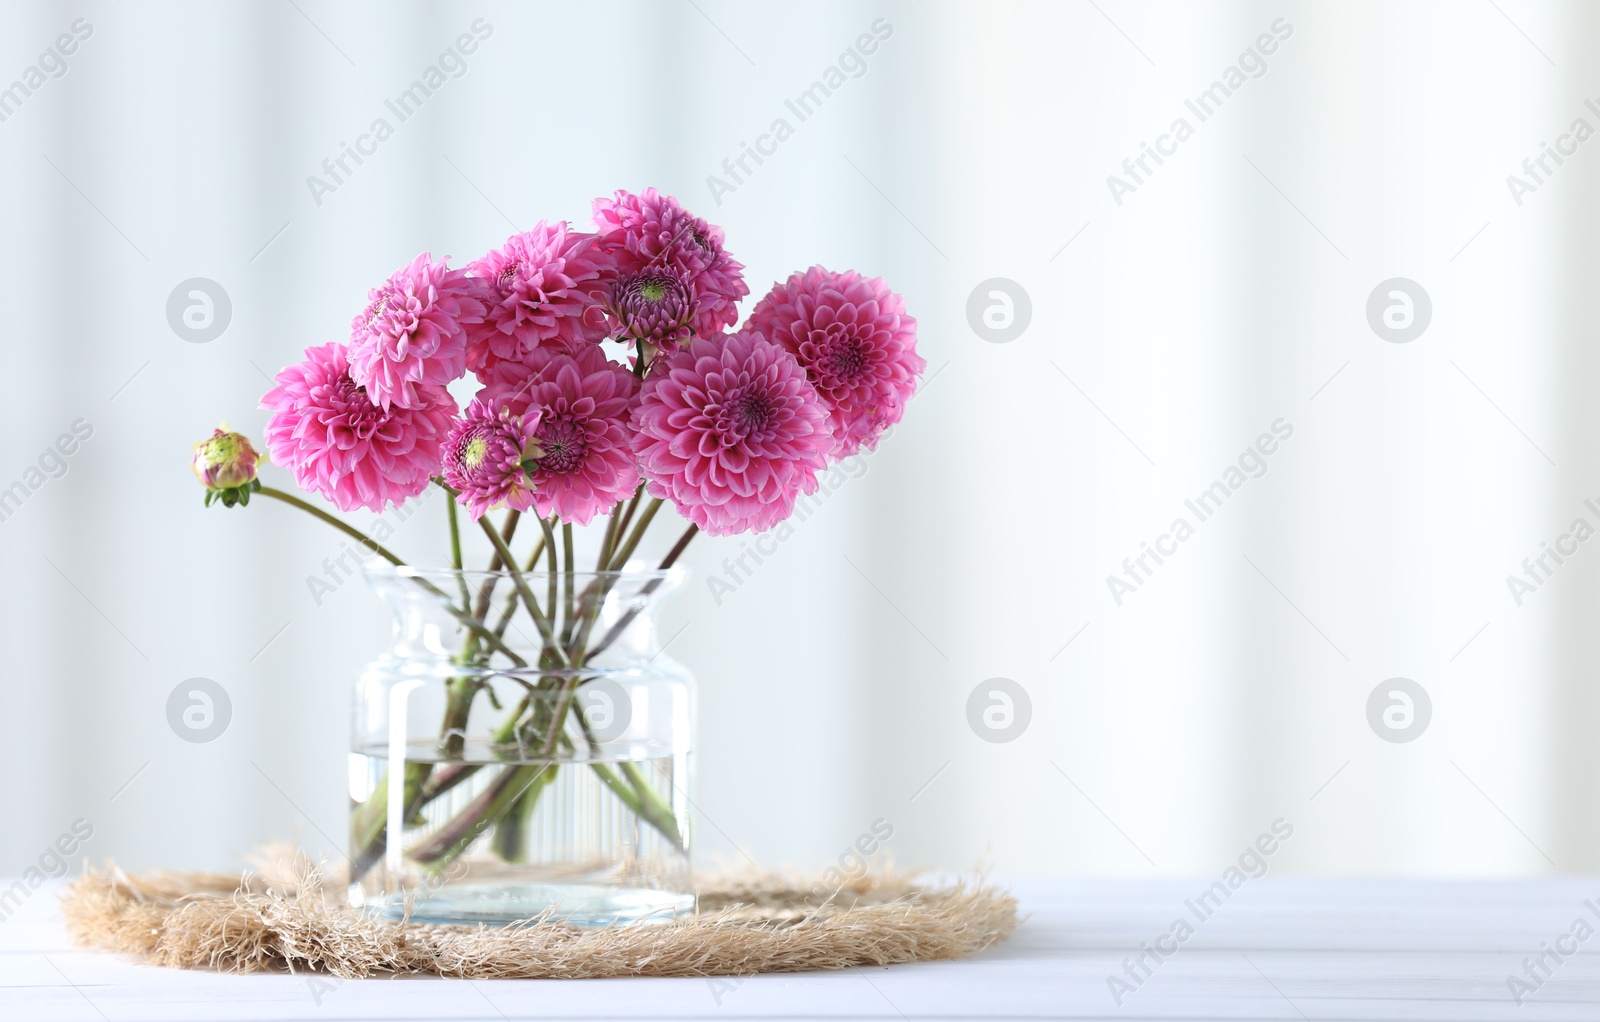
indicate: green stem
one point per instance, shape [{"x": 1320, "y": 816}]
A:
[
  {"x": 513, "y": 597},
  {"x": 648, "y": 588},
  {"x": 559, "y": 717},
  {"x": 609, "y": 541},
  {"x": 569, "y": 597},
  {"x": 344, "y": 527},
  {"x": 594, "y": 594},
  {"x": 455, "y": 551},
  {"x": 444, "y": 779},
  {"x": 509, "y": 530},
  {"x": 652, "y": 806},
  {"x": 463, "y": 689},
  {"x": 552, "y": 571},
  {"x": 651, "y": 810},
  {"x": 640, "y": 797},
  {"x": 627, "y": 517},
  {"x": 510, "y": 830},
  {"x": 370, "y": 823},
  {"x": 453, "y": 775},
  {"x": 469, "y": 649},
  {"x": 458, "y": 835},
  {"x": 527, "y": 597},
  {"x": 508, "y": 727},
  {"x": 621, "y": 559}
]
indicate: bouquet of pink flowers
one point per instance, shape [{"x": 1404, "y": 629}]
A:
[{"x": 729, "y": 426}]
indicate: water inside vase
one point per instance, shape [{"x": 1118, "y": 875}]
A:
[{"x": 564, "y": 842}]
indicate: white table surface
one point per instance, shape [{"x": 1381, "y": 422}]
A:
[{"x": 1286, "y": 949}]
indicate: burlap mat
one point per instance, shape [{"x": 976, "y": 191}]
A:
[{"x": 747, "y": 924}]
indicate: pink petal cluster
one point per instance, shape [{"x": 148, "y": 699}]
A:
[
  {"x": 412, "y": 334},
  {"x": 858, "y": 347},
  {"x": 731, "y": 432},
  {"x": 326, "y": 429},
  {"x": 581, "y": 402},
  {"x": 484, "y": 455},
  {"x": 731, "y": 427},
  {"x": 652, "y": 232},
  {"x": 542, "y": 289}
]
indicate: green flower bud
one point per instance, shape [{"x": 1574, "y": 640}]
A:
[{"x": 226, "y": 464}]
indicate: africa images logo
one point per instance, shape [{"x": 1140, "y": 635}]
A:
[
  {"x": 1252, "y": 464},
  {"x": 1252, "y": 63},
  {"x": 52, "y": 63}
]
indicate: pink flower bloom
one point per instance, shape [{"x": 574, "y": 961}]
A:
[
  {"x": 413, "y": 331},
  {"x": 326, "y": 430},
  {"x": 654, "y": 306},
  {"x": 729, "y": 430},
  {"x": 542, "y": 288},
  {"x": 858, "y": 347},
  {"x": 652, "y": 232},
  {"x": 484, "y": 458},
  {"x": 580, "y": 402}
]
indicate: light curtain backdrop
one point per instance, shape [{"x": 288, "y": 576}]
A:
[{"x": 1227, "y": 291}]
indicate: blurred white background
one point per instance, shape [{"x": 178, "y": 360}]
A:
[{"x": 1168, "y": 330}]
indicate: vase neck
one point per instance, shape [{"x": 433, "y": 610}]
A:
[{"x": 483, "y": 618}]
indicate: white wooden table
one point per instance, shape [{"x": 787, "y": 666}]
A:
[{"x": 1277, "y": 949}]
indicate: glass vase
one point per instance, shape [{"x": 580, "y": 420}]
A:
[{"x": 508, "y": 765}]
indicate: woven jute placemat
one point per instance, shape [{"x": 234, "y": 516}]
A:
[{"x": 747, "y": 923}]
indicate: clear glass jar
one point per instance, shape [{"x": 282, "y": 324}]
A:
[{"x": 543, "y": 760}]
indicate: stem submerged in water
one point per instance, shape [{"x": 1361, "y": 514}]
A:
[{"x": 455, "y": 837}]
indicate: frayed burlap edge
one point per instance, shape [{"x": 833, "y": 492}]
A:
[{"x": 748, "y": 923}]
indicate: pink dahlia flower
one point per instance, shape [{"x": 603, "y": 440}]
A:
[
  {"x": 412, "y": 334},
  {"x": 654, "y": 306},
  {"x": 580, "y": 402},
  {"x": 542, "y": 289},
  {"x": 652, "y": 231},
  {"x": 484, "y": 456},
  {"x": 327, "y": 431},
  {"x": 729, "y": 430},
  {"x": 858, "y": 347}
]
